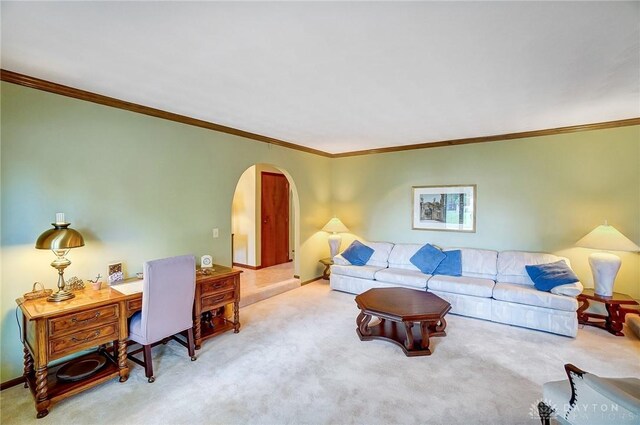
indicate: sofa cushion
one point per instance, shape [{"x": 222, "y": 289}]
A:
[
  {"x": 511, "y": 265},
  {"x": 404, "y": 277},
  {"x": 451, "y": 265},
  {"x": 524, "y": 294},
  {"x": 400, "y": 256},
  {"x": 547, "y": 276},
  {"x": 357, "y": 253},
  {"x": 381, "y": 251},
  {"x": 363, "y": 272},
  {"x": 427, "y": 258},
  {"x": 478, "y": 262},
  {"x": 473, "y": 286}
]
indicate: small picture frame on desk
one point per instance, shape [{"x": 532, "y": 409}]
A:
[{"x": 115, "y": 273}]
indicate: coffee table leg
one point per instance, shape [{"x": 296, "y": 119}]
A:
[
  {"x": 424, "y": 332},
  {"x": 408, "y": 343},
  {"x": 362, "y": 321}
]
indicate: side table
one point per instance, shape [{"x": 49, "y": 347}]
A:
[
  {"x": 613, "y": 320},
  {"x": 327, "y": 262}
]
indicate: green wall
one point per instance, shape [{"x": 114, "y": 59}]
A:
[
  {"x": 136, "y": 187},
  {"x": 536, "y": 194},
  {"x": 139, "y": 187}
]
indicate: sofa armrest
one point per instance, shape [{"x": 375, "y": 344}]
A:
[{"x": 339, "y": 260}]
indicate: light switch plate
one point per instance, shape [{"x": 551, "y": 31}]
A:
[{"x": 215, "y": 233}]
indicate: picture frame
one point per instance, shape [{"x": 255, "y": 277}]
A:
[
  {"x": 115, "y": 272},
  {"x": 450, "y": 208}
]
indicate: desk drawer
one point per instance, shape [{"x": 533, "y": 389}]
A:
[
  {"x": 213, "y": 286},
  {"x": 61, "y": 346},
  {"x": 218, "y": 300},
  {"x": 86, "y": 319},
  {"x": 134, "y": 305}
]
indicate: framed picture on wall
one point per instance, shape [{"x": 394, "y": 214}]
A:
[{"x": 449, "y": 207}]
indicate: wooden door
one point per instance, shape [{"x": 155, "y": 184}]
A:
[{"x": 275, "y": 219}]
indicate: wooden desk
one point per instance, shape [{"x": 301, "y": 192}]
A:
[
  {"x": 54, "y": 330},
  {"x": 96, "y": 318}
]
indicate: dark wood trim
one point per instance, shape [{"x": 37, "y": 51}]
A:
[
  {"x": 498, "y": 137},
  {"x": 11, "y": 383},
  {"x": 310, "y": 280},
  {"x": 245, "y": 266},
  {"x": 51, "y": 87}
]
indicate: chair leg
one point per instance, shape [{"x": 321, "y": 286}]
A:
[
  {"x": 545, "y": 413},
  {"x": 148, "y": 364},
  {"x": 191, "y": 344}
]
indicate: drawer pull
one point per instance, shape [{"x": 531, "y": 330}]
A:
[
  {"x": 218, "y": 298},
  {"x": 75, "y": 319},
  {"x": 218, "y": 285},
  {"x": 96, "y": 334}
]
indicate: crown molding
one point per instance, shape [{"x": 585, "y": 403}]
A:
[
  {"x": 51, "y": 87},
  {"x": 497, "y": 137}
]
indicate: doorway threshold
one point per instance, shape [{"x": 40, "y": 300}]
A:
[{"x": 258, "y": 285}]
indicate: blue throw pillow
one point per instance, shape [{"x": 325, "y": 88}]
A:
[
  {"x": 547, "y": 276},
  {"x": 427, "y": 258},
  {"x": 357, "y": 253},
  {"x": 451, "y": 265}
]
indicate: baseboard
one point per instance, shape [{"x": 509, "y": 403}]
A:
[
  {"x": 11, "y": 383},
  {"x": 311, "y": 280},
  {"x": 245, "y": 266}
]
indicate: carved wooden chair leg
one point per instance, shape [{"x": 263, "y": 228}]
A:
[
  {"x": 544, "y": 412},
  {"x": 148, "y": 364}
]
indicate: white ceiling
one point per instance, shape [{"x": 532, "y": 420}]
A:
[{"x": 342, "y": 77}]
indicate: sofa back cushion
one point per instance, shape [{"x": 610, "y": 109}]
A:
[
  {"x": 400, "y": 256},
  {"x": 381, "y": 251},
  {"x": 480, "y": 263},
  {"x": 511, "y": 265}
]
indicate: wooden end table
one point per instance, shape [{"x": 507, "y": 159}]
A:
[
  {"x": 327, "y": 262},
  {"x": 398, "y": 310},
  {"x": 613, "y": 320}
]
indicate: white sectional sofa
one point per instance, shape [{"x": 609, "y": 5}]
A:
[{"x": 494, "y": 285}]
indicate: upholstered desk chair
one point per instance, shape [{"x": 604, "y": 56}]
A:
[
  {"x": 589, "y": 399},
  {"x": 167, "y": 304}
]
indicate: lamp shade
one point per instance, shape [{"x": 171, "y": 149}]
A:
[
  {"x": 335, "y": 226},
  {"x": 607, "y": 238},
  {"x": 60, "y": 237}
]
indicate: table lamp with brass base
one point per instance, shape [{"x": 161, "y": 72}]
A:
[{"x": 60, "y": 240}]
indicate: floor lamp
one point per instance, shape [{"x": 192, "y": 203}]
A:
[
  {"x": 605, "y": 265},
  {"x": 335, "y": 227}
]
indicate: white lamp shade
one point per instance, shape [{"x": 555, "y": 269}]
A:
[
  {"x": 335, "y": 226},
  {"x": 607, "y": 238}
]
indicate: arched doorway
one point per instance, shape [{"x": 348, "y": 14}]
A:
[{"x": 265, "y": 232}]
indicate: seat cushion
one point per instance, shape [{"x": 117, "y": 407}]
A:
[
  {"x": 462, "y": 285},
  {"x": 524, "y": 294},
  {"x": 363, "y": 272},
  {"x": 135, "y": 329},
  {"x": 404, "y": 277}
]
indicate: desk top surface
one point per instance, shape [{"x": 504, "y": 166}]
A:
[{"x": 89, "y": 297}]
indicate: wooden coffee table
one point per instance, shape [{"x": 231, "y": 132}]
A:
[{"x": 399, "y": 309}]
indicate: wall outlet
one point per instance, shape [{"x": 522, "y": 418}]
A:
[{"x": 215, "y": 233}]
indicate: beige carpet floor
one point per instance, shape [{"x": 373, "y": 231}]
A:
[{"x": 297, "y": 360}]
